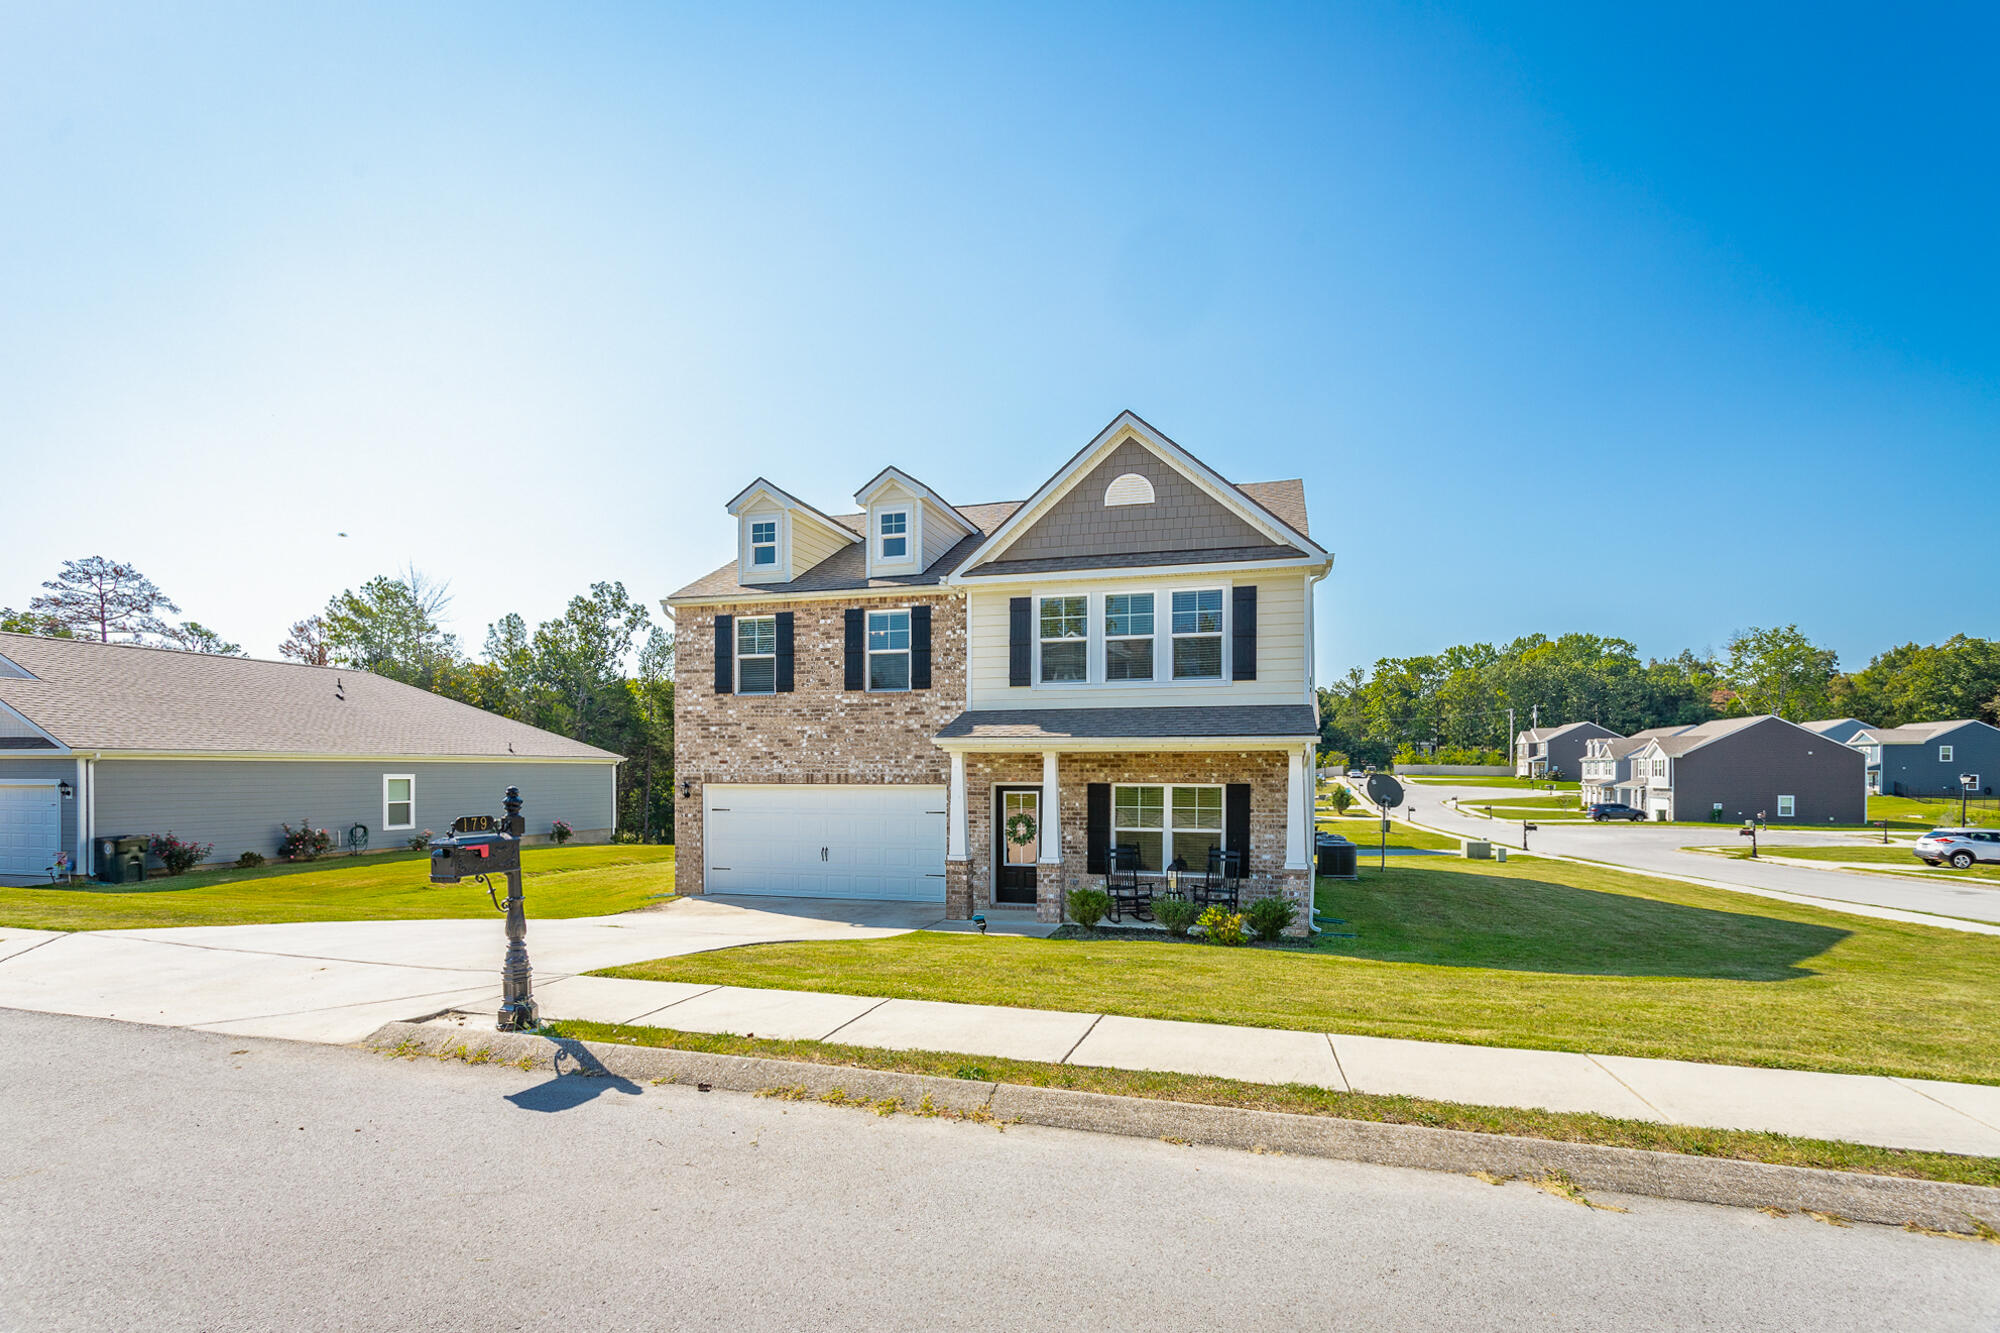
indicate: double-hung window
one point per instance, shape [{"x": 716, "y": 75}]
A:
[
  {"x": 1786, "y": 806},
  {"x": 1198, "y": 634},
  {"x": 399, "y": 801},
  {"x": 888, "y": 650},
  {"x": 1944, "y": 754},
  {"x": 764, "y": 542},
  {"x": 757, "y": 655},
  {"x": 1167, "y": 824},
  {"x": 894, "y": 525},
  {"x": 1128, "y": 636},
  {"x": 1065, "y": 638}
]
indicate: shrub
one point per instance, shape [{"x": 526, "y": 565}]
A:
[
  {"x": 304, "y": 843},
  {"x": 1342, "y": 798},
  {"x": 421, "y": 843},
  {"x": 1088, "y": 906},
  {"x": 249, "y": 860},
  {"x": 1222, "y": 927},
  {"x": 561, "y": 831},
  {"x": 625, "y": 837},
  {"x": 1268, "y": 917},
  {"x": 177, "y": 856},
  {"x": 1176, "y": 914}
]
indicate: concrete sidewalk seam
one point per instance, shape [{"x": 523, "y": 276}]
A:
[
  {"x": 23, "y": 953},
  {"x": 849, "y": 1021},
  {"x": 1333, "y": 1049},
  {"x": 1888, "y": 1200},
  {"x": 1941, "y": 1102},
  {"x": 1629, "y": 1088},
  {"x": 1095, "y": 1020},
  {"x": 683, "y": 1000}
]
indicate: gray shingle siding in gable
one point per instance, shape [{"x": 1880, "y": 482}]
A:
[{"x": 1182, "y": 517}]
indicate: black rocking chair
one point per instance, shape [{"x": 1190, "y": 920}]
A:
[
  {"x": 1222, "y": 884},
  {"x": 1128, "y": 892}
]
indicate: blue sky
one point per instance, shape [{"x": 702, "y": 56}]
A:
[{"x": 1650, "y": 324}]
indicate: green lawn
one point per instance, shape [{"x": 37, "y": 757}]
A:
[
  {"x": 1520, "y": 784},
  {"x": 1367, "y": 833},
  {"x": 394, "y": 886},
  {"x": 1899, "y": 857},
  {"x": 1532, "y": 954},
  {"x": 1911, "y": 812}
]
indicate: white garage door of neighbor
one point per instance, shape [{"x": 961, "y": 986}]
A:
[
  {"x": 826, "y": 842},
  {"x": 30, "y": 828}
]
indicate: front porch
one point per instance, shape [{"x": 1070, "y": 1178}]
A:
[{"x": 1028, "y": 827}]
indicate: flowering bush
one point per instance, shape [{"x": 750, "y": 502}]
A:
[
  {"x": 1222, "y": 927},
  {"x": 423, "y": 843},
  {"x": 561, "y": 831},
  {"x": 177, "y": 856},
  {"x": 304, "y": 843}
]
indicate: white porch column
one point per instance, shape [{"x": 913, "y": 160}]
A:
[
  {"x": 1051, "y": 813},
  {"x": 1298, "y": 814},
  {"x": 955, "y": 837}
]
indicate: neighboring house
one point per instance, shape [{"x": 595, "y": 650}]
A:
[
  {"x": 1556, "y": 752},
  {"x": 1606, "y": 768},
  {"x": 104, "y": 739},
  {"x": 1737, "y": 768},
  {"x": 971, "y": 704},
  {"x": 1840, "y": 729},
  {"x": 1929, "y": 758}
]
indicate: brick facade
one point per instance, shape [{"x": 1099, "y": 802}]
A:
[
  {"x": 819, "y": 732},
  {"x": 1267, "y": 772}
]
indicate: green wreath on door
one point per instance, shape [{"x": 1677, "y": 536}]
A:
[{"x": 1021, "y": 828}]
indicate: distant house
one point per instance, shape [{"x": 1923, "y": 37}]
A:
[
  {"x": 1737, "y": 768},
  {"x": 108, "y": 740},
  {"x": 1607, "y": 768},
  {"x": 1929, "y": 758},
  {"x": 1840, "y": 729},
  {"x": 1555, "y": 752}
]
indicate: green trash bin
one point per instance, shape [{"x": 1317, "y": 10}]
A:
[{"x": 121, "y": 860}]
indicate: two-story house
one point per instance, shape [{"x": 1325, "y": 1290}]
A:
[
  {"x": 1605, "y": 771},
  {"x": 1931, "y": 758},
  {"x": 1555, "y": 752},
  {"x": 971, "y": 704},
  {"x": 1736, "y": 768}
]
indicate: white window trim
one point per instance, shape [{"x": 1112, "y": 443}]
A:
[
  {"x": 388, "y": 778},
  {"x": 1088, "y": 673},
  {"x": 868, "y": 655},
  {"x": 1945, "y": 752},
  {"x": 1100, "y": 632},
  {"x": 908, "y": 534},
  {"x": 1220, "y": 634},
  {"x": 1788, "y": 807},
  {"x": 1166, "y": 829},
  {"x": 756, "y": 545},
  {"x": 737, "y": 629}
]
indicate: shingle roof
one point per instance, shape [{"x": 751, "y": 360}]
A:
[
  {"x": 99, "y": 696},
  {"x": 1185, "y": 723},
  {"x": 1687, "y": 738},
  {"x": 1824, "y": 725},
  {"x": 1911, "y": 733},
  {"x": 846, "y": 569},
  {"x": 1550, "y": 733}
]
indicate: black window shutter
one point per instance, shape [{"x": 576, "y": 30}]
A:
[
  {"x": 1020, "y": 647},
  {"x": 857, "y": 657},
  {"x": 784, "y": 662},
  {"x": 1236, "y": 821},
  {"x": 725, "y": 654},
  {"x": 920, "y": 647},
  {"x": 1097, "y": 826},
  {"x": 1243, "y": 634}
]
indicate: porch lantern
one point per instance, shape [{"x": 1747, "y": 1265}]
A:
[{"x": 68, "y": 792}]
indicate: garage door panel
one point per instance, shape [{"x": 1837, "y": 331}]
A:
[
  {"x": 826, "y": 841},
  {"x": 30, "y": 828}
]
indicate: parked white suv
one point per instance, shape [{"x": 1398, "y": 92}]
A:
[{"x": 1958, "y": 847}]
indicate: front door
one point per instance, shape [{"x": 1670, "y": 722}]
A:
[{"x": 1017, "y": 843}]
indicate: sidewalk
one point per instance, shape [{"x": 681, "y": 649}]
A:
[{"x": 1886, "y": 1112}]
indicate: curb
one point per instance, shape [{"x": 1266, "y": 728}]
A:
[{"x": 1889, "y": 1200}]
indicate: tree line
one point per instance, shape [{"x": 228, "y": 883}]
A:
[{"x": 1459, "y": 699}]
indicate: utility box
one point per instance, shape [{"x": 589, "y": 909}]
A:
[
  {"x": 121, "y": 860},
  {"x": 1476, "y": 850},
  {"x": 1335, "y": 858}
]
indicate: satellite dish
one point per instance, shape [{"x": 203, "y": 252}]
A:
[{"x": 1384, "y": 790}]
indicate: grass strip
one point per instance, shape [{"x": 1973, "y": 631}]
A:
[{"x": 1302, "y": 1099}]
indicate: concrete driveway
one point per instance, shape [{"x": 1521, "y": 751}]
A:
[
  {"x": 339, "y": 981},
  {"x": 1658, "y": 849}
]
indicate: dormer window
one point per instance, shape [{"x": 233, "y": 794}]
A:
[
  {"x": 894, "y": 525},
  {"x": 764, "y": 543}
]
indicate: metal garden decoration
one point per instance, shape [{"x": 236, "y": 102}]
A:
[{"x": 480, "y": 846}]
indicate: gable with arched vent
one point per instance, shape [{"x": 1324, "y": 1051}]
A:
[{"x": 1182, "y": 516}]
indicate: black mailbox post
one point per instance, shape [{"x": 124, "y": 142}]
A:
[{"x": 479, "y": 847}]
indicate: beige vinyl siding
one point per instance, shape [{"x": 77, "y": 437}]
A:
[
  {"x": 763, "y": 513},
  {"x": 811, "y": 543},
  {"x": 941, "y": 532},
  {"x": 1281, "y": 647}
]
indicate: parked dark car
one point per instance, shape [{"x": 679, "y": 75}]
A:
[
  {"x": 1958, "y": 847},
  {"x": 1603, "y": 810}
]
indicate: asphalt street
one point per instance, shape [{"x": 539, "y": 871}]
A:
[
  {"x": 163, "y": 1178},
  {"x": 1658, "y": 849}
]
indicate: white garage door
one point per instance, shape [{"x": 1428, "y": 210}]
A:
[
  {"x": 30, "y": 828},
  {"x": 826, "y": 842}
]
